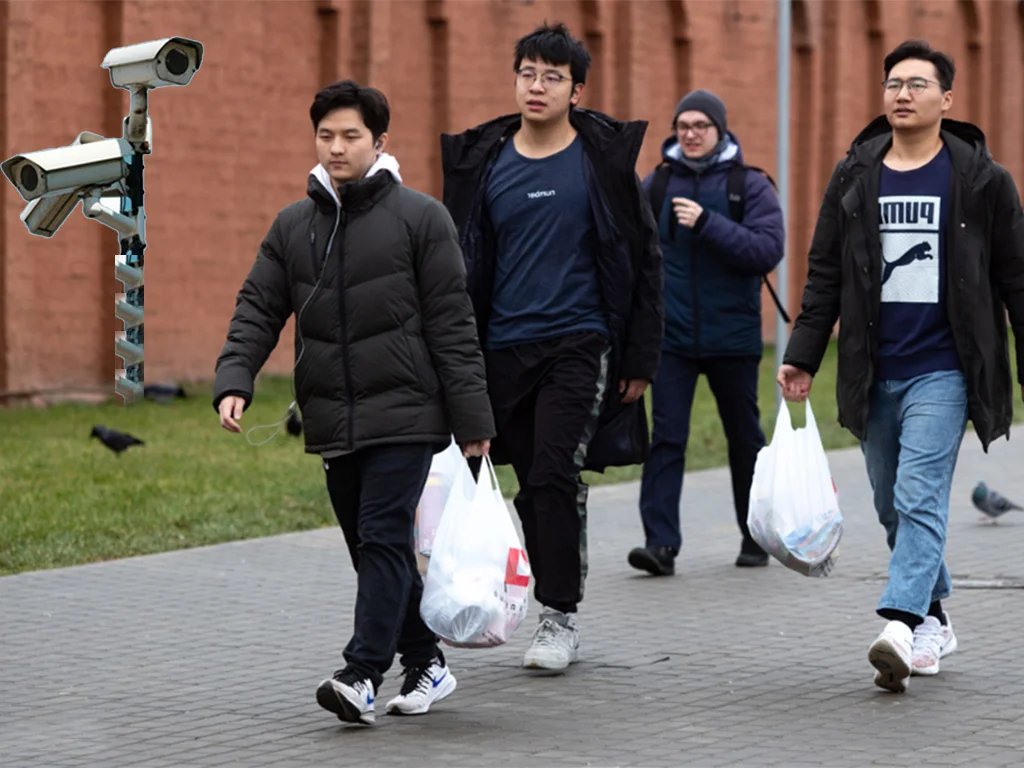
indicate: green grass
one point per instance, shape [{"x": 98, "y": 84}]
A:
[{"x": 65, "y": 499}]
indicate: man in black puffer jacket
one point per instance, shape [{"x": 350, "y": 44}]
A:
[{"x": 388, "y": 368}]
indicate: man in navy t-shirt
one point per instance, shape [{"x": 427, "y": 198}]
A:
[
  {"x": 919, "y": 254},
  {"x": 564, "y": 267}
]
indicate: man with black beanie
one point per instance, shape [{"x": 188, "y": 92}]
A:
[{"x": 715, "y": 257}]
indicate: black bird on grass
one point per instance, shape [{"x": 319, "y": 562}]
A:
[
  {"x": 162, "y": 393},
  {"x": 114, "y": 440},
  {"x": 294, "y": 424}
]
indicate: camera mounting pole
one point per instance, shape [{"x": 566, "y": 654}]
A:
[{"x": 130, "y": 263}]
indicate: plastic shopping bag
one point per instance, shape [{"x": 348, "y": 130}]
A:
[
  {"x": 443, "y": 468},
  {"x": 476, "y": 591},
  {"x": 794, "y": 509}
]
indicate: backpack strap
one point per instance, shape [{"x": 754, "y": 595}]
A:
[
  {"x": 657, "y": 191},
  {"x": 736, "y": 190}
]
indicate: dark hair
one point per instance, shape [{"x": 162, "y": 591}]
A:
[
  {"x": 554, "y": 45},
  {"x": 371, "y": 103},
  {"x": 920, "y": 49}
]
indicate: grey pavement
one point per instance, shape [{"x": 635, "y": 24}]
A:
[{"x": 210, "y": 657}]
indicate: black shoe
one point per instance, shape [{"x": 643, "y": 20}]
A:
[
  {"x": 752, "y": 560},
  {"x": 657, "y": 561}
]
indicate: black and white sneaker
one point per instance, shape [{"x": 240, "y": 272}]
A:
[
  {"x": 422, "y": 687},
  {"x": 350, "y": 695}
]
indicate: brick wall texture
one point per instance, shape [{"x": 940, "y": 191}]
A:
[{"x": 235, "y": 146}]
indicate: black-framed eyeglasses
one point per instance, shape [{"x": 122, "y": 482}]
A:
[
  {"x": 699, "y": 128},
  {"x": 548, "y": 79},
  {"x": 914, "y": 84}
]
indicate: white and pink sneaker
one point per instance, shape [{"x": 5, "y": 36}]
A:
[
  {"x": 932, "y": 641},
  {"x": 891, "y": 656}
]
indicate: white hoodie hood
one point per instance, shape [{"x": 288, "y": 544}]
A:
[{"x": 385, "y": 162}]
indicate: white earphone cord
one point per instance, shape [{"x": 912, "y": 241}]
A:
[{"x": 302, "y": 350}]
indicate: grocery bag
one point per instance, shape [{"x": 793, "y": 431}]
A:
[
  {"x": 476, "y": 591},
  {"x": 794, "y": 508},
  {"x": 443, "y": 468}
]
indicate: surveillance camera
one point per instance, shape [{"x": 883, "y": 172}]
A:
[
  {"x": 64, "y": 170},
  {"x": 158, "y": 63},
  {"x": 44, "y": 215}
]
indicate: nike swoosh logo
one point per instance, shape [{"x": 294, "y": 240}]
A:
[{"x": 440, "y": 679}]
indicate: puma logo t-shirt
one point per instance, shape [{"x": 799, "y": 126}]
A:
[{"x": 915, "y": 336}]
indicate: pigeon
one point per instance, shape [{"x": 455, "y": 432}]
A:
[
  {"x": 990, "y": 502},
  {"x": 114, "y": 440},
  {"x": 294, "y": 424},
  {"x": 162, "y": 393}
]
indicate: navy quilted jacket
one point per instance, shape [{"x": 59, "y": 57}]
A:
[{"x": 713, "y": 271}]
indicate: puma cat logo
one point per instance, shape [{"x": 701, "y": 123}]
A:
[{"x": 919, "y": 252}]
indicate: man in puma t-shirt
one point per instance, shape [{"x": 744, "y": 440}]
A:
[{"x": 919, "y": 253}]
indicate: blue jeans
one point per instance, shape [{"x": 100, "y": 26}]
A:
[{"x": 911, "y": 445}]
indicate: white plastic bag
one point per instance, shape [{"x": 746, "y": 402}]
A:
[
  {"x": 443, "y": 468},
  {"x": 476, "y": 592},
  {"x": 794, "y": 509}
]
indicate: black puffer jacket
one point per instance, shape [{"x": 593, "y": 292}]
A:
[
  {"x": 985, "y": 269},
  {"x": 386, "y": 344}
]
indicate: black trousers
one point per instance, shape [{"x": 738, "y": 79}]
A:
[
  {"x": 374, "y": 493},
  {"x": 733, "y": 381},
  {"x": 546, "y": 397}
]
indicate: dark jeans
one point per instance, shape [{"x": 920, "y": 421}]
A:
[
  {"x": 733, "y": 381},
  {"x": 546, "y": 398},
  {"x": 374, "y": 493}
]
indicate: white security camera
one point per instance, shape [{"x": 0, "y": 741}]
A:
[
  {"x": 60, "y": 171},
  {"x": 158, "y": 63},
  {"x": 44, "y": 215}
]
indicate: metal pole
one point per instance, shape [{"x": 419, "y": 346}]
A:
[
  {"x": 130, "y": 263},
  {"x": 782, "y": 175},
  {"x": 128, "y": 307}
]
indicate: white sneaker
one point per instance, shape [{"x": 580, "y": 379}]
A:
[
  {"x": 349, "y": 696},
  {"x": 422, "y": 687},
  {"x": 932, "y": 641},
  {"x": 556, "y": 642},
  {"x": 891, "y": 654}
]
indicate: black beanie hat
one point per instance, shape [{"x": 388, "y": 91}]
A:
[{"x": 706, "y": 102}]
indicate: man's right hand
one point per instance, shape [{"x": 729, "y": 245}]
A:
[
  {"x": 231, "y": 408},
  {"x": 796, "y": 384}
]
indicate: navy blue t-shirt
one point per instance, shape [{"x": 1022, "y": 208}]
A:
[
  {"x": 545, "y": 282},
  {"x": 915, "y": 336}
]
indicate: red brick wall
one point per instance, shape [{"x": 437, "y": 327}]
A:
[{"x": 235, "y": 146}]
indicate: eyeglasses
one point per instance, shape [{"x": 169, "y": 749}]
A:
[
  {"x": 548, "y": 79},
  {"x": 914, "y": 84},
  {"x": 698, "y": 128}
]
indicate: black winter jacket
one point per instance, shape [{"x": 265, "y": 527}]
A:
[
  {"x": 985, "y": 271},
  {"x": 386, "y": 343},
  {"x": 628, "y": 260}
]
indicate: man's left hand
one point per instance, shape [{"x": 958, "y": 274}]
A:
[
  {"x": 632, "y": 390},
  {"x": 476, "y": 448}
]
